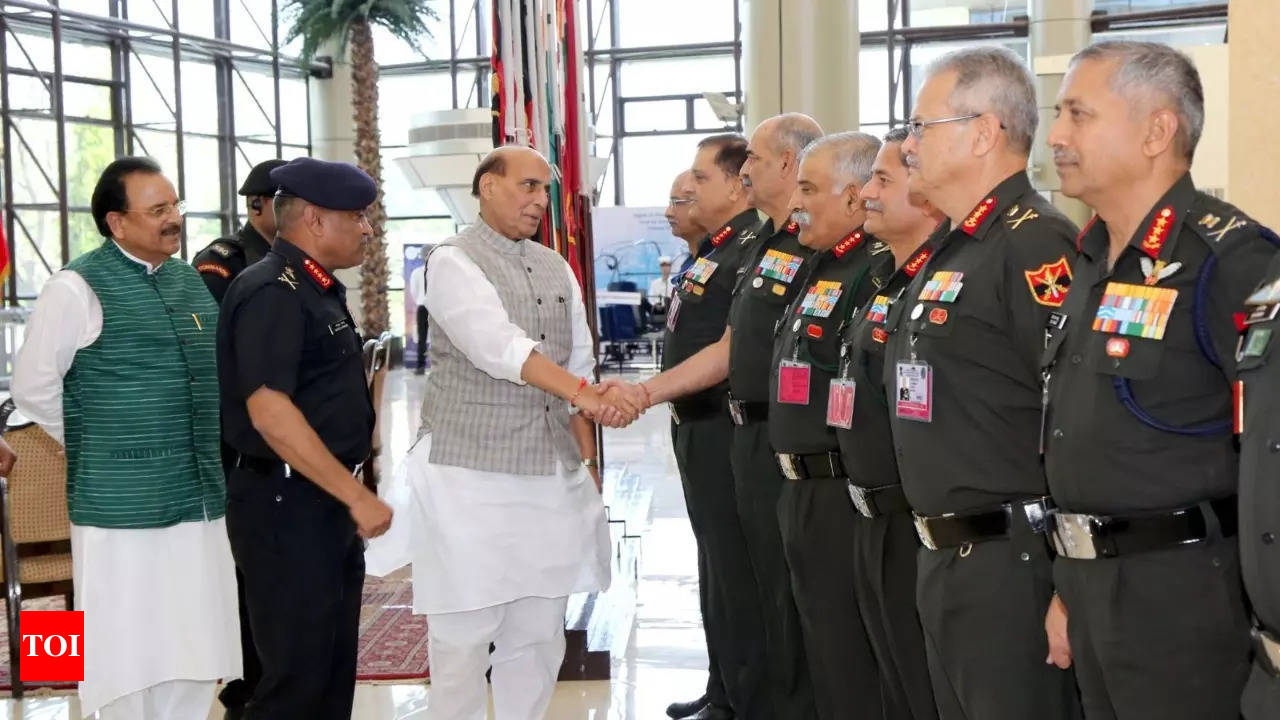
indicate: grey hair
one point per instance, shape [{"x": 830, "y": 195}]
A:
[
  {"x": 1155, "y": 68},
  {"x": 993, "y": 79},
  {"x": 852, "y": 155},
  {"x": 795, "y": 132}
]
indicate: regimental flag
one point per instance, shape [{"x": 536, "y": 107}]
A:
[
  {"x": 821, "y": 299},
  {"x": 1135, "y": 310},
  {"x": 944, "y": 286},
  {"x": 6, "y": 264},
  {"x": 879, "y": 309},
  {"x": 780, "y": 266}
]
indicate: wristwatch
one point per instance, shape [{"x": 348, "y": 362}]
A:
[{"x": 590, "y": 462}]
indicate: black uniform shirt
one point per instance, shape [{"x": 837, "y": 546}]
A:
[
  {"x": 699, "y": 308},
  {"x": 284, "y": 325},
  {"x": 981, "y": 331},
  {"x": 807, "y": 335},
  {"x": 867, "y": 446},
  {"x": 1099, "y": 456},
  {"x": 1259, "y": 371},
  {"x": 768, "y": 286},
  {"x": 225, "y": 258}
]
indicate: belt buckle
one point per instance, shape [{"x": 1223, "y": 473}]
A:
[
  {"x": 1074, "y": 535},
  {"x": 735, "y": 412},
  {"x": 787, "y": 464},
  {"x": 858, "y": 495},
  {"x": 1268, "y": 651},
  {"x": 922, "y": 530}
]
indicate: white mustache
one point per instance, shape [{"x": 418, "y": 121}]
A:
[
  {"x": 913, "y": 161},
  {"x": 746, "y": 181},
  {"x": 873, "y": 205},
  {"x": 802, "y": 218},
  {"x": 1063, "y": 156}
]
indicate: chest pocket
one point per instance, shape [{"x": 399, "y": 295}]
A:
[
  {"x": 773, "y": 279},
  {"x": 1255, "y": 346},
  {"x": 1129, "y": 329},
  {"x": 933, "y": 310},
  {"x": 332, "y": 336}
]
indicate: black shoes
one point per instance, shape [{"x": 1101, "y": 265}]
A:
[{"x": 686, "y": 709}]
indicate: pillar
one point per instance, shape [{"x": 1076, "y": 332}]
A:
[
  {"x": 1253, "y": 152},
  {"x": 801, "y": 56},
  {"x": 1057, "y": 29}
]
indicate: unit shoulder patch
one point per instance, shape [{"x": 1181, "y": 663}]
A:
[
  {"x": 1050, "y": 282},
  {"x": 213, "y": 268}
]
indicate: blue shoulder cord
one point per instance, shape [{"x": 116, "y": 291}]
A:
[{"x": 1124, "y": 391}]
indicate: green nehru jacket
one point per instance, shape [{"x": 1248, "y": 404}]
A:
[{"x": 140, "y": 405}]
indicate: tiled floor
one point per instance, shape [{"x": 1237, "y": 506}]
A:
[{"x": 665, "y": 656}]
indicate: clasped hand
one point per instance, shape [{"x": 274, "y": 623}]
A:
[{"x": 613, "y": 403}]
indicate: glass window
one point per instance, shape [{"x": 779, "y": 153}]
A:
[
  {"x": 35, "y": 164},
  {"x": 200, "y": 168},
  {"x": 873, "y": 84},
  {"x": 151, "y": 90},
  {"x": 649, "y": 164},
  {"x": 254, "y": 102},
  {"x": 199, "y": 97},
  {"x": 391, "y": 50},
  {"x": 200, "y": 232},
  {"x": 37, "y": 248},
  {"x": 400, "y": 97},
  {"x": 643, "y": 116},
  {"x": 86, "y": 60},
  {"x": 675, "y": 76},
  {"x": 159, "y": 146},
  {"x": 467, "y": 25},
  {"x": 82, "y": 234},
  {"x": 155, "y": 14},
  {"x": 29, "y": 93},
  {"x": 1210, "y": 34},
  {"x": 924, "y": 53},
  {"x": 248, "y": 27},
  {"x": 400, "y": 198},
  {"x": 293, "y": 109},
  {"x": 86, "y": 101},
  {"x": 673, "y": 22},
  {"x": 90, "y": 148},
  {"x": 95, "y": 7}
]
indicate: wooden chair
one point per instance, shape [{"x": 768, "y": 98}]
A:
[{"x": 36, "y": 534}]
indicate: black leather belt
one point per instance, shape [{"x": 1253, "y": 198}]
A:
[
  {"x": 1089, "y": 537},
  {"x": 697, "y": 408},
  {"x": 273, "y": 466},
  {"x": 878, "y": 501},
  {"x": 744, "y": 412},
  {"x": 956, "y": 529},
  {"x": 1267, "y": 651},
  {"x": 810, "y": 467}
]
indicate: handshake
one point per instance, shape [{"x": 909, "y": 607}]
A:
[{"x": 613, "y": 403}]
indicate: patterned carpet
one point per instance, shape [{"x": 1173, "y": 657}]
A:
[{"x": 393, "y": 641}]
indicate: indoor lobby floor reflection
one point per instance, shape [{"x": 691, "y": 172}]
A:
[{"x": 665, "y": 653}]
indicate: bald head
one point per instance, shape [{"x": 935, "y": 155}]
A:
[
  {"x": 512, "y": 184},
  {"x": 773, "y": 159}
]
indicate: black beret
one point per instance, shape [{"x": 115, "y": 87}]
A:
[
  {"x": 259, "y": 180},
  {"x": 333, "y": 185}
]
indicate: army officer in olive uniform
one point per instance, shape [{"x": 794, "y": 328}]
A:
[
  {"x": 885, "y": 544},
  {"x": 815, "y": 516},
  {"x": 224, "y": 258},
  {"x": 962, "y": 367}
]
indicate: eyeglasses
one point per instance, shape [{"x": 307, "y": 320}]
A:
[
  {"x": 159, "y": 212},
  {"x": 917, "y": 127},
  {"x": 677, "y": 202}
]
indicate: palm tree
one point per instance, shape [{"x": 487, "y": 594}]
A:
[{"x": 318, "y": 22}]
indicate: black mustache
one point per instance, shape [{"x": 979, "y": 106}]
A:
[{"x": 171, "y": 229}]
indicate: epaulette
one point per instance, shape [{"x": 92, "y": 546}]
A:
[
  {"x": 288, "y": 277},
  {"x": 1220, "y": 223},
  {"x": 225, "y": 249}
]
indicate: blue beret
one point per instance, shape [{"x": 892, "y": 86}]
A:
[{"x": 333, "y": 185}]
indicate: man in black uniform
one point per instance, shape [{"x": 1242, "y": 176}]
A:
[
  {"x": 1260, "y": 493},
  {"x": 224, "y": 258},
  {"x": 296, "y": 408},
  {"x": 884, "y": 539},
  {"x": 701, "y": 431},
  {"x": 814, "y": 516},
  {"x": 1138, "y": 449},
  {"x": 219, "y": 264},
  {"x": 962, "y": 364}
]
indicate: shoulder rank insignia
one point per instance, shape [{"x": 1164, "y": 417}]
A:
[
  {"x": 215, "y": 268},
  {"x": 1233, "y": 224},
  {"x": 878, "y": 248},
  {"x": 971, "y": 223},
  {"x": 1015, "y": 222},
  {"x": 288, "y": 278},
  {"x": 850, "y": 241},
  {"x": 747, "y": 236},
  {"x": 1158, "y": 233},
  {"x": 1050, "y": 282},
  {"x": 722, "y": 235},
  {"x": 222, "y": 249},
  {"x": 317, "y": 273}
]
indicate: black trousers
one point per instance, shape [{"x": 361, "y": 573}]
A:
[
  {"x": 731, "y": 612},
  {"x": 420, "y": 335},
  {"x": 982, "y": 609},
  {"x": 1261, "y": 695},
  {"x": 236, "y": 693},
  {"x": 303, "y": 568},
  {"x": 884, "y": 559},
  {"x": 758, "y": 485},
  {"x": 1159, "y": 634},
  {"x": 817, "y": 521}
]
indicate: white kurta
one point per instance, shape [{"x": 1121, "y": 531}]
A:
[
  {"x": 159, "y": 603},
  {"x": 485, "y": 538}
]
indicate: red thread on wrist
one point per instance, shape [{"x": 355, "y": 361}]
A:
[
  {"x": 582, "y": 382},
  {"x": 648, "y": 399}
]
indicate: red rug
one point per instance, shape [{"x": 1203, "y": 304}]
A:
[{"x": 393, "y": 641}]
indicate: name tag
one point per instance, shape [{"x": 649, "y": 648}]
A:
[
  {"x": 335, "y": 328},
  {"x": 793, "y": 382},
  {"x": 673, "y": 312},
  {"x": 821, "y": 299},
  {"x": 840, "y": 403},
  {"x": 780, "y": 266},
  {"x": 915, "y": 391},
  {"x": 1135, "y": 310}
]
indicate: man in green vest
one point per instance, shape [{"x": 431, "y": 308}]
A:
[{"x": 118, "y": 365}]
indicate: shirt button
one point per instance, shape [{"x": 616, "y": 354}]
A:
[
  {"x": 542, "y": 336},
  {"x": 1275, "y": 446},
  {"x": 539, "y": 301},
  {"x": 279, "y": 498},
  {"x": 1075, "y": 359},
  {"x": 529, "y": 269},
  {"x": 1268, "y": 537},
  {"x": 548, "y": 408},
  {"x": 1057, "y": 433}
]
